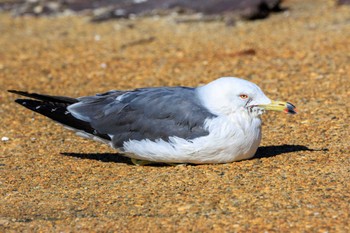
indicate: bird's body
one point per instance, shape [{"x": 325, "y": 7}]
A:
[{"x": 216, "y": 123}]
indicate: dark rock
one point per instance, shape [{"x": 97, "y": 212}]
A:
[
  {"x": 109, "y": 9},
  {"x": 248, "y": 9},
  {"x": 343, "y": 2}
]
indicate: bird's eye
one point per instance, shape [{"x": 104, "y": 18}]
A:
[{"x": 243, "y": 96}]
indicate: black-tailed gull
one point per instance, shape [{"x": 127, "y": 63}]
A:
[{"x": 215, "y": 123}]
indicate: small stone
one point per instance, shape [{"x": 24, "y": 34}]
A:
[
  {"x": 5, "y": 139},
  {"x": 97, "y": 37}
]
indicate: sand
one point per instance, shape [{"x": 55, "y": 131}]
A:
[{"x": 54, "y": 181}]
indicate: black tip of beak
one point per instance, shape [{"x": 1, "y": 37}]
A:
[{"x": 291, "y": 109}]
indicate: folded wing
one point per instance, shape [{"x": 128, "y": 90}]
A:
[{"x": 148, "y": 113}]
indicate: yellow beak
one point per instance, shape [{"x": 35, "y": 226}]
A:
[{"x": 280, "y": 106}]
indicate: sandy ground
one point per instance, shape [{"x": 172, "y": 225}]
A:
[{"x": 52, "y": 180}]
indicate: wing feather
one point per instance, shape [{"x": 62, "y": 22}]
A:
[{"x": 147, "y": 113}]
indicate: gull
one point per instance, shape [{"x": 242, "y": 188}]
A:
[{"x": 219, "y": 122}]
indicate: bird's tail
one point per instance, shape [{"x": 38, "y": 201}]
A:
[{"x": 55, "y": 108}]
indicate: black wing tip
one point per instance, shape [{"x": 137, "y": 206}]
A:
[
  {"x": 58, "y": 113},
  {"x": 29, "y": 103},
  {"x": 20, "y": 101},
  {"x": 22, "y": 93},
  {"x": 16, "y": 92},
  {"x": 46, "y": 98},
  {"x": 25, "y": 102}
]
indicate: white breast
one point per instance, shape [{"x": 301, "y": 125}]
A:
[{"x": 228, "y": 140}]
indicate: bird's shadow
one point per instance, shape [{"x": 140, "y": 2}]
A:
[
  {"x": 263, "y": 152},
  {"x": 103, "y": 157},
  {"x": 271, "y": 151}
]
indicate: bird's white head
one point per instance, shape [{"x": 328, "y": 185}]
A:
[{"x": 229, "y": 95}]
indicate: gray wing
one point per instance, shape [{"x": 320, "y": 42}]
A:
[{"x": 147, "y": 113}]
